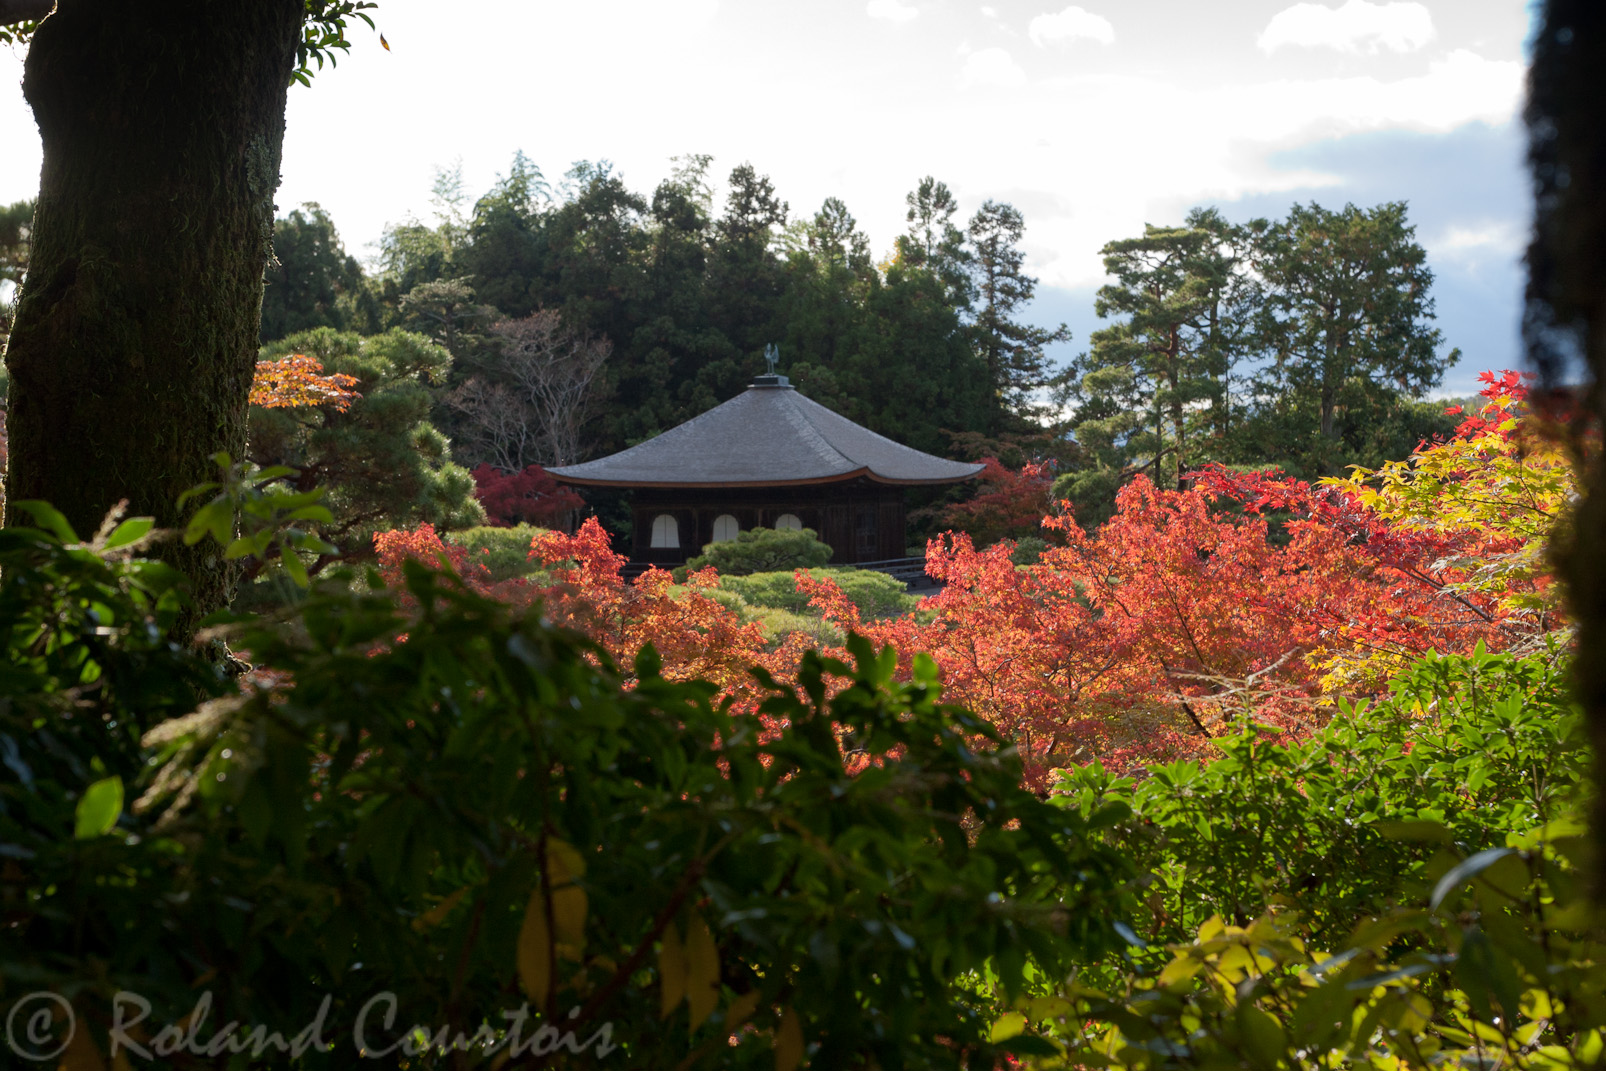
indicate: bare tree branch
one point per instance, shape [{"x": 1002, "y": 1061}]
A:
[
  {"x": 552, "y": 367},
  {"x": 529, "y": 404},
  {"x": 500, "y": 428}
]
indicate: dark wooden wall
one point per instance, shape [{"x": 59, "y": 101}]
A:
[{"x": 861, "y": 521}]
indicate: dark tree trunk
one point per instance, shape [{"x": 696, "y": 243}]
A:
[
  {"x": 132, "y": 354},
  {"x": 1566, "y": 313}
]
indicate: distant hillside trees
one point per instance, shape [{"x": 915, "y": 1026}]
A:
[
  {"x": 689, "y": 290},
  {"x": 1304, "y": 343}
]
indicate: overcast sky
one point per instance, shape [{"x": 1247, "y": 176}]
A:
[{"x": 1092, "y": 119}]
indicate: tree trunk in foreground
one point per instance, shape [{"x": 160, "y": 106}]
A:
[
  {"x": 135, "y": 341},
  {"x": 1566, "y": 314}
]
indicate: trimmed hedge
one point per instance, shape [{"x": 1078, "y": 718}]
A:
[
  {"x": 876, "y": 595},
  {"x": 504, "y": 551}
]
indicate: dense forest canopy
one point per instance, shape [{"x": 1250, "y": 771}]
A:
[{"x": 583, "y": 316}]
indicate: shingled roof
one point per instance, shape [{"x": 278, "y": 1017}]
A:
[{"x": 767, "y": 436}]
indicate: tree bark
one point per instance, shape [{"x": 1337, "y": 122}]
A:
[
  {"x": 135, "y": 341},
  {"x": 1566, "y": 314}
]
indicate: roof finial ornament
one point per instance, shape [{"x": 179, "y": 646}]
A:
[{"x": 772, "y": 357}]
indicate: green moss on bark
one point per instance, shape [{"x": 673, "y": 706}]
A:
[{"x": 134, "y": 347}]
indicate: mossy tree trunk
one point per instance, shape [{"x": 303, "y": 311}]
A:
[
  {"x": 134, "y": 345},
  {"x": 1565, "y": 321}
]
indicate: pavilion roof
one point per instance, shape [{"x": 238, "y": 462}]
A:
[{"x": 769, "y": 435}]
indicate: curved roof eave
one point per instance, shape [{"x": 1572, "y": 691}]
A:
[{"x": 842, "y": 478}]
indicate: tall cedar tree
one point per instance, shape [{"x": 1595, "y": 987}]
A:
[
  {"x": 1346, "y": 308},
  {"x": 746, "y": 277},
  {"x": 1013, "y": 351}
]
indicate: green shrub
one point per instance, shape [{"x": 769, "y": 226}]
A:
[
  {"x": 1485, "y": 745},
  {"x": 764, "y": 550},
  {"x": 877, "y": 595},
  {"x": 503, "y": 551},
  {"x": 1403, "y": 889},
  {"x": 482, "y": 817},
  {"x": 1028, "y": 550},
  {"x": 778, "y": 625}
]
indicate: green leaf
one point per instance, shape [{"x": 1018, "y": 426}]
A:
[
  {"x": 244, "y": 547},
  {"x": 295, "y": 567},
  {"x": 1465, "y": 871},
  {"x": 49, "y": 518},
  {"x": 1008, "y": 1025},
  {"x": 1265, "y": 1043},
  {"x": 1415, "y": 830},
  {"x": 130, "y": 531},
  {"x": 216, "y": 518},
  {"x": 98, "y": 808}
]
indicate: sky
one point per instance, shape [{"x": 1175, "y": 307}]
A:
[{"x": 1093, "y": 119}]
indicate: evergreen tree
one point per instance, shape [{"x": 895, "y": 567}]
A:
[
  {"x": 414, "y": 253},
  {"x": 678, "y": 363},
  {"x": 829, "y": 283},
  {"x": 1169, "y": 350},
  {"x": 916, "y": 366},
  {"x": 746, "y": 276},
  {"x": 312, "y": 281},
  {"x": 505, "y": 252},
  {"x": 1345, "y": 314},
  {"x": 448, "y": 312},
  {"x": 383, "y": 461},
  {"x": 934, "y": 242},
  {"x": 1011, "y": 350}
]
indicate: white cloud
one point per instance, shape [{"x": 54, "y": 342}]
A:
[
  {"x": 1473, "y": 245},
  {"x": 891, "y": 10},
  {"x": 1070, "y": 25},
  {"x": 990, "y": 12},
  {"x": 1357, "y": 25},
  {"x": 992, "y": 67}
]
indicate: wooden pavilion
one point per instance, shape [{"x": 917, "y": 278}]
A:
[{"x": 769, "y": 458}]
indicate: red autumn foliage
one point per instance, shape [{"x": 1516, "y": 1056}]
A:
[
  {"x": 528, "y": 497},
  {"x": 1008, "y": 503},
  {"x": 1139, "y": 642},
  {"x": 695, "y": 635},
  {"x": 1179, "y": 619}
]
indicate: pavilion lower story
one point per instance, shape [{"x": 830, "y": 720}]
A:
[{"x": 861, "y": 521}]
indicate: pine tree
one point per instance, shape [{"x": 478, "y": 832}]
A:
[
  {"x": 934, "y": 242},
  {"x": 1346, "y": 311},
  {"x": 1011, "y": 350},
  {"x": 1175, "y": 297}
]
